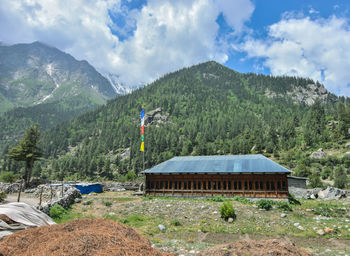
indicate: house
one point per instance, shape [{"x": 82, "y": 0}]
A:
[{"x": 228, "y": 175}]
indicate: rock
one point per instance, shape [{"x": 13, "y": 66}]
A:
[
  {"x": 301, "y": 228},
  {"x": 161, "y": 227},
  {"x": 283, "y": 215},
  {"x": 111, "y": 214},
  {"x": 230, "y": 220},
  {"x": 215, "y": 212},
  {"x": 347, "y": 145},
  {"x": 77, "y": 200},
  {"x": 329, "y": 230},
  {"x": 347, "y": 153},
  {"x": 297, "y": 224},
  {"x": 313, "y": 196},
  {"x": 320, "y": 232},
  {"x": 331, "y": 193},
  {"x": 319, "y": 154}
]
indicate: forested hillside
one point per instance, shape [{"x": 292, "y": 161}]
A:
[{"x": 206, "y": 109}]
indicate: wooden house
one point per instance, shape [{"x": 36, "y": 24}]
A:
[{"x": 228, "y": 175}]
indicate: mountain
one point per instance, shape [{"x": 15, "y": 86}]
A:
[
  {"x": 206, "y": 109},
  {"x": 39, "y": 83},
  {"x": 31, "y": 74},
  {"x": 118, "y": 86}
]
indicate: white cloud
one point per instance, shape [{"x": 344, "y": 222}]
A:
[
  {"x": 319, "y": 49},
  {"x": 167, "y": 34}
]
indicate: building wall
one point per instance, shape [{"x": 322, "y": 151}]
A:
[
  {"x": 297, "y": 187},
  {"x": 246, "y": 185}
]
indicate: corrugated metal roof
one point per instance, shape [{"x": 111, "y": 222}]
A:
[{"x": 219, "y": 164}]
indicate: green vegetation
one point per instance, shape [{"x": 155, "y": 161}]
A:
[
  {"x": 2, "y": 196},
  {"x": 265, "y": 204},
  {"x": 227, "y": 211},
  {"x": 108, "y": 204},
  {"x": 175, "y": 222},
  {"x": 57, "y": 211},
  {"x": 8, "y": 177}
]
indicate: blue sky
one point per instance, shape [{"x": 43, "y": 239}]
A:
[{"x": 142, "y": 40}]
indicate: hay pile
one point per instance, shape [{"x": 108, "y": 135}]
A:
[
  {"x": 272, "y": 247},
  {"x": 79, "y": 237}
]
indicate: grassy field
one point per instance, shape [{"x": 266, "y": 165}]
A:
[{"x": 194, "y": 224}]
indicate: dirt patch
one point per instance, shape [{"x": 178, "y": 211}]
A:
[
  {"x": 270, "y": 247},
  {"x": 79, "y": 237}
]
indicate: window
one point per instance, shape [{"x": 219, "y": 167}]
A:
[
  {"x": 219, "y": 184},
  {"x": 157, "y": 184},
  {"x": 194, "y": 184},
  {"x": 166, "y": 184},
  {"x": 185, "y": 185},
  {"x": 214, "y": 185},
  {"x": 239, "y": 185},
  {"x": 235, "y": 185},
  {"x": 245, "y": 185},
  {"x": 229, "y": 185},
  {"x": 224, "y": 185},
  {"x": 209, "y": 185},
  {"x": 170, "y": 184},
  {"x": 283, "y": 185},
  {"x": 256, "y": 185},
  {"x": 189, "y": 185},
  {"x": 152, "y": 184},
  {"x": 161, "y": 184},
  {"x": 273, "y": 185},
  {"x": 199, "y": 185},
  {"x": 148, "y": 184},
  {"x": 278, "y": 185},
  {"x": 179, "y": 184},
  {"x": 261, "y": 185},
  {"x": 267, "y": 185},
  {"x": 175, "y": 184},
  {"x": 250, "y": 185}
]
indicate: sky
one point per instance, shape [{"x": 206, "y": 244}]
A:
[{"x": 142, "y": 40}]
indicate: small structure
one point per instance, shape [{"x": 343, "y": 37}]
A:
[
  {"x": 297, "y": 186},
  {"x": 230, "y": 175}
]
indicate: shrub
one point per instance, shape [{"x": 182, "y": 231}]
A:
[
  {"x": 340, "y": 178},
  {"x": 242, "y": 200},
  {"x": 216, "y": 199},
  {"x": 329, "y": 210},
  {"x": 57, "y": 211},
  {"x": 8, "y": 177},
  {"x": 284, "y": 206},
  {"x": 227, "y": 211},
  {"x": 108, "y": 204},
  {"x": 175, "y": 222},
  {"x": 2, "y": 196},
  {"x": 293, "y": 200},
  {"x": 265, "y": 204}
]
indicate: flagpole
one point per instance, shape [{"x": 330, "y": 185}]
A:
[{"x": 142, "y": 148}]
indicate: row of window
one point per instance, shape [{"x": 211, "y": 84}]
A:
[{"x": 218, "y": 185}]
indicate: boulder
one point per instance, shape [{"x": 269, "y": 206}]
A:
[
  {"x": 347, "y": 145},
  {"x": 319, "y": 154},
  {"x": 331, "y": 193}
]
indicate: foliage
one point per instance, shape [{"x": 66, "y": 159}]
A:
[
  {"x": 27, "y": 150},
  {"x": 57, "y": 211},
  {"x": 284, "y": 206},
  {"x": 8, "y": 177},
  {"x": 328, "y": 210},
  {"x": 292, "y": 200},
  {"x": 216, "y": 199},
  {"x": 242, "y": 200},
  {"x": 265, "y": 204},
  {"x": 2, "y": 196},
  {"x": 315, "y": 180},
  {"x": 227, "y": 211},
  {"x": 340, "y": 178},
  {"x": 175, "y": 222},
  {"x": 108, "y": 204}
]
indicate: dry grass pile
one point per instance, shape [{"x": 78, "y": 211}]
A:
[
  {"x": 79, "y": 237},
  {"x": 272, "y": 247}
]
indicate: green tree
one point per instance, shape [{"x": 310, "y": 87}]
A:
[
  {"x": 27, "y": 150},
  {"x": 340, "y": 178},
  {"x": 315, "y": 124}
]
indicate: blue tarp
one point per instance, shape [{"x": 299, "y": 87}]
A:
[{"x": 89, "y": 188}]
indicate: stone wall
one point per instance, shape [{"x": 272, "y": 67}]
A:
[{"x": 297, "y": 187}]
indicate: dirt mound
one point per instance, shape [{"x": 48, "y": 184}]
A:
[
  {"x": 272, "y": 247},
  {"x": 79, "y": 237}
]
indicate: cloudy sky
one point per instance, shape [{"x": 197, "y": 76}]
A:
[{"x": 142, "y": 40}]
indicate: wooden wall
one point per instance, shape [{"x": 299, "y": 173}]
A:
[{"x": 246, "y": 185}]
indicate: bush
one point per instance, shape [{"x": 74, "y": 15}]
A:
[
  {"x": 340, "y": 178},
  {"x": 227, "y": 211},
  {"x": 293, "y": 200},
  {"x": 175, "y": 222},
  {"x": 216, "y": 199},
  {"x": 57, "y": 211},
  {"x": 242, "y": 200},
  {"x": 265, "y": 204},
  {"x": 284, "y": 206},
  {"x": 8, "y": 177},
  {"x": 2, "y": 196},
  {"x": 108, "y": 204}
]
